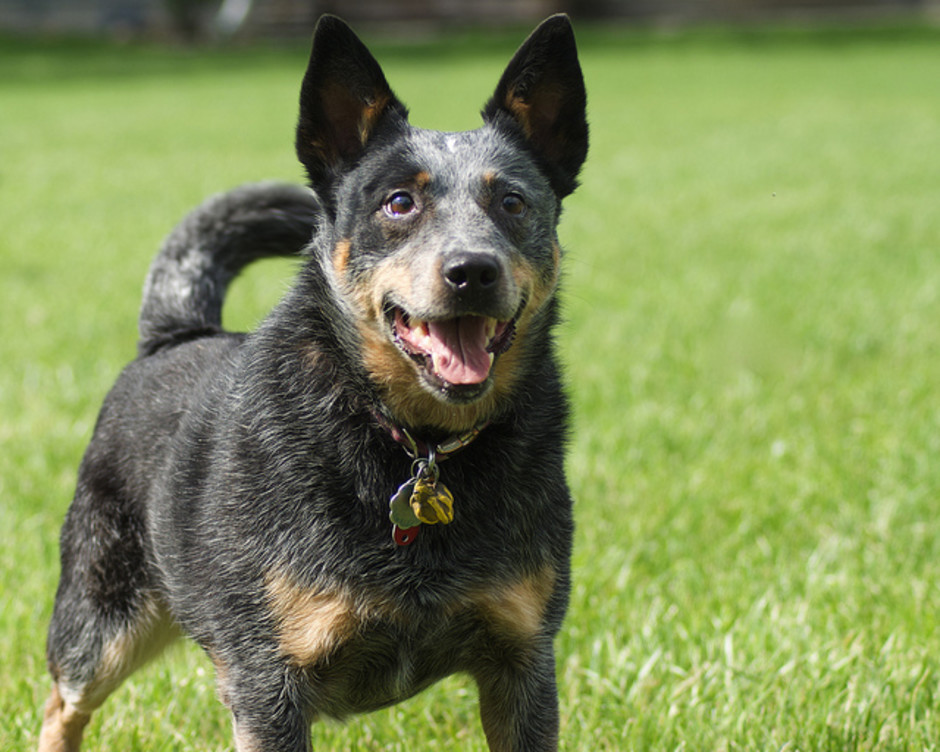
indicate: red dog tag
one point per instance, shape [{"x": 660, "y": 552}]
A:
[{"x": 406, "y": 536}]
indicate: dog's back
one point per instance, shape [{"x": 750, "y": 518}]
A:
[{"x": 367, "y": 493}]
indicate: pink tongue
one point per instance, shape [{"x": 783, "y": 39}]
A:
[{"x": 458, "y": 347}]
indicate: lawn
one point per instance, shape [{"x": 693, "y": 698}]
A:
[{"x": 752, "y": 345}]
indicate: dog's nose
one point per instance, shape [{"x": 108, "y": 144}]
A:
[{"x": 471, "y": 274}]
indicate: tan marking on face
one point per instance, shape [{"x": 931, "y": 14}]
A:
[
  {"x": 540, "y": 286},
  {"x": 392, "y": 371},
  {"x": 399, "y": 378},
  {"x": 422, "y": 180},
  {"x": 392, "y": 276},
  {"x": 341, "y": 257},
  {"x": 516, "y": 610},
  {"x": 310, "y": 623},
  {"x": 400, "y": 385},
  {"x": 508, "y": 366},
  {"x": 396, "y": 375}
]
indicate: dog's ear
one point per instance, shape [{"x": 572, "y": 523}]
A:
[
  {"x": 542, "y": 92},
  {"x": 344, "y": 99}
]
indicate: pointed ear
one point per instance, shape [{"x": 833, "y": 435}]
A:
[
  {"x": 343, "y": 100},
  {"x": 542, "y": 92}
]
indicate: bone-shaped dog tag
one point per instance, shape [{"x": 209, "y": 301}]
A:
[{"x": 399, "y": 506}]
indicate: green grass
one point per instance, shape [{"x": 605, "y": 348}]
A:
[{"x": 753, "y": 350}]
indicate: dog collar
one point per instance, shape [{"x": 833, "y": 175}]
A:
[
  {"x": 423, "y": 498},
  {"x": 417, "y": 447}
]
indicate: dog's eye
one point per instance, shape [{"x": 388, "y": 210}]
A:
[
  {"x": 399, "y": 204},
  {"x": 514, "y": 204}
]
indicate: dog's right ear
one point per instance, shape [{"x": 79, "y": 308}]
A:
[{"x": 344, "y": 98}]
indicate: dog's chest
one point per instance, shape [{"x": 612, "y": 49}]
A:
[{"x": 361, "y": 652}]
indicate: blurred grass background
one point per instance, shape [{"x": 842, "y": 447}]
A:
[{"x": 752, "y": 296}]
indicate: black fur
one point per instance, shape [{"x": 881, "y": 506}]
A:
[{"x": 237, "y": 486}]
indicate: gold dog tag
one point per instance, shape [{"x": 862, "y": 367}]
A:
[{"x": 432, "y": 502}]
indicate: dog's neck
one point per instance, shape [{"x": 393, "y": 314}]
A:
[{"x": 417, "y": 446}]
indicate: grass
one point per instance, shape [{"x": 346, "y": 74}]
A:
[{"x": 752, "y": 297}]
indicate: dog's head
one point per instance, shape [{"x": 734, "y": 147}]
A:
[{"x": 442, "y": 247}]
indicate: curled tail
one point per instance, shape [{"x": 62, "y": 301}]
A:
[{"x": 187, "y": 280}]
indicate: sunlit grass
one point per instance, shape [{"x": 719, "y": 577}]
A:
[{"x": 751, "y": 295}]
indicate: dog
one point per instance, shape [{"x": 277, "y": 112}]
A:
[{"x": 367, "y": 493}]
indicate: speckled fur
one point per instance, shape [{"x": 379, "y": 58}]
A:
[{"x": 236, "y": 487}]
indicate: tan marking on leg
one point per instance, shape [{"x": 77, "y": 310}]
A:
[
  {"x": 221, "y": 679},
  {"x": 127, "y": 651},
  {"x": 514, "y": 613},
  {"x": 310, "y": 623},
  {"x": 62, "y": 725},
  {"x": 71, "y": 704},
  {"x": 244, "y": 740},
  {"x": 516, "y": 609}
]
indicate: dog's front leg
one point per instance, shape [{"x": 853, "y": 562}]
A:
[
  {"x": 519, "y": 700},
  {"x": 280, "y": 730},
  {"x": 266, "y": 712}
]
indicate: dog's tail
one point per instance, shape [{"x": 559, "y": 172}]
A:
[{"x": 187, "y": 280}]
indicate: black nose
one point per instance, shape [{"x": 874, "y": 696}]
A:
[{"x": 471, "y": 274}]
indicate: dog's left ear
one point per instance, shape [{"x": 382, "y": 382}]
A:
[
  {"x": 542, "y": 91},
  {"x": 344, "y": 99}
]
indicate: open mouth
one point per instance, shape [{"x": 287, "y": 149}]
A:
[{"x": 456, "y": 352}]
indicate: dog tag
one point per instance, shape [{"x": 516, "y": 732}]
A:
[
  {"x": 432, "y": 502},
  {"x": 399, "y": 507},
  {"x": 405, "y": 537}
]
